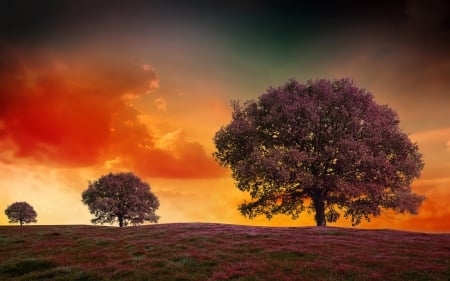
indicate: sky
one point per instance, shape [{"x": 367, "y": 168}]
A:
[{"x": 92, "y": 87}]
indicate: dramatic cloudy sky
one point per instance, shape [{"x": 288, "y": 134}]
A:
[{"x": 89, "y": 87}]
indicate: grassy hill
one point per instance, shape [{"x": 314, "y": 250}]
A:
[{"x": 193, "y": 251}]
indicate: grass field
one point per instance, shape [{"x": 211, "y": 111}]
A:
[{"x": 192, "y": 251}]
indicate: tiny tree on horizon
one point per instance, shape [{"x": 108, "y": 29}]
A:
[
  {"x": 324, "y": 147},
  {"x": 21, "y": 212},
  {"x": 123, "y": 197}
]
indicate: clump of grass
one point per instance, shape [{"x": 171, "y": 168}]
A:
[
  {"x": 8, "y": 240},
  {"x": 26, "y": 266},
  {"x": 287, "y": 255},
  {"x": 32, "y": 269},
  {"x": 61, "y": 274}
]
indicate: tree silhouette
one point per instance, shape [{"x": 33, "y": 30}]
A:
[
  {"x": 21, "y": 212},
  {"x": 121, "y": 196},
  {"x": 324, "y": 147}
]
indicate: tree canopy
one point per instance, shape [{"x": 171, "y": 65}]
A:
[
  {"x": 21, "y": 212},
  {"x": 123, "y": 197},
  {"x": 325, "y": 147}
]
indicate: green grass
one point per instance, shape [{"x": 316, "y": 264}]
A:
[
  {"x": 26, "y": 266},
  {"x": 40, "y": 269},
  {"x": 220, "y": 252}
]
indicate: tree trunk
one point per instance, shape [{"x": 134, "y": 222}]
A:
[
  {"x": 319, "y": 206},
  {"x": 21, "y": 222},
  {"x": 120, "y": 221}
]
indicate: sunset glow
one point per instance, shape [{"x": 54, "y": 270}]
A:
[{"x": 141, "y": 87}]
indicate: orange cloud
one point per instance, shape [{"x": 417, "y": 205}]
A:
[
  {"x": 161, "y": 104},
  {"x": 434, "y": 146},
  {"x": 77, "y": 113},
  {"x": 52, "y": 115}
]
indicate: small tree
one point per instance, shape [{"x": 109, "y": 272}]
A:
[
  {"x": 21, "y": 212},
  {"x": 325, "y": 147},
  {"x": 121, "y": 196}
]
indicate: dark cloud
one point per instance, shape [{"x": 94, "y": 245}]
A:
[{"x": 24, "y": 19}]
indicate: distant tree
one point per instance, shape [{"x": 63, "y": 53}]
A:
[
  {"x": 21, "y": 212},
  {"x": 121, "y": 196},
  {"x": 324, "y": 147}
]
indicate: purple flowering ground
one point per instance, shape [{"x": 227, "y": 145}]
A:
[{"x": 200, "y": 251}]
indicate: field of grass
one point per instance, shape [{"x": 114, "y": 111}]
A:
[{"x": 193, "y": 251}]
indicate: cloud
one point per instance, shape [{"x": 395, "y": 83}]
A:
[
  {"x": 153, "y": 83},
  {"x": 434, "y": 212},
  {"x": 76, "y": 112},
  {"x": 433, "y": 144},
  {"x": 161, "y": 104},
  {"x": 53, "y": 114},
  {"x": 174, "y": 155}
]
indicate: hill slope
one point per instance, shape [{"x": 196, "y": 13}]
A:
[{"x": 220, "y": 252}]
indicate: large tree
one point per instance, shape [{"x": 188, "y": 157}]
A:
[
  {"x": 21, "y": 212},
  {"x": 123, "y": 197},
  {"x": 325, "y": 147}
]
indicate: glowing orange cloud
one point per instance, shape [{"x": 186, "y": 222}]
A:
[{"x": 78, "y": 113}]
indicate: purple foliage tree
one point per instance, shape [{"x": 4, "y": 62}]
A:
[
  {"x": 121, "y": 196},
  {"x": 21, "y": 212},
  {"x": 324, "y": 147}
]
